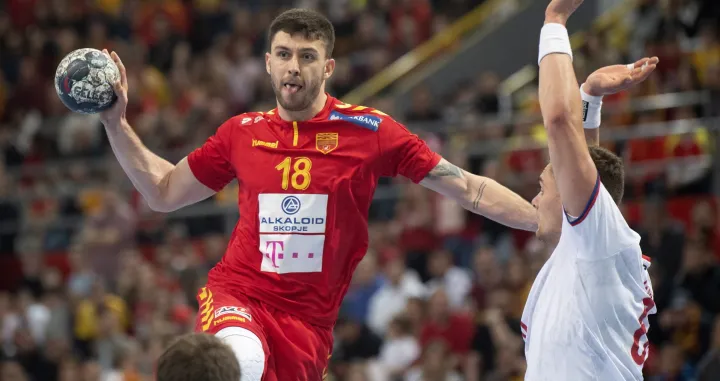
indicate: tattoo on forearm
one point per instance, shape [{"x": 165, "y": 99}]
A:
[
  {"x": 478, "y": 196},
  {"x": 444, "y": 169}
]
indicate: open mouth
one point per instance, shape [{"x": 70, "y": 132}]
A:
[{"x": 292, "y": 87}]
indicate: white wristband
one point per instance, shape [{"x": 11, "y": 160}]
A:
[
  {"x": 554, "y": 39},
  {"x": 592, "y": 106}
]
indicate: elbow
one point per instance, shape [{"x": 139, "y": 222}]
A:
[
  {"x": 558, "y": 118},
  {"x": 559, "y": 123}
]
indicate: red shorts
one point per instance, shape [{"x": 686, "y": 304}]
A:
[{"x": 294, "y": 349}]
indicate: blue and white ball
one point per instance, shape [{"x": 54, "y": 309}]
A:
[{"x": 84, "y": 79}]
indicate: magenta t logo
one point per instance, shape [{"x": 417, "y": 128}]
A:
[{"x": 274, "y": 254}]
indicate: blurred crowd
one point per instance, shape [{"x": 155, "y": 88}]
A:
[{"x": 103, "y": 283}]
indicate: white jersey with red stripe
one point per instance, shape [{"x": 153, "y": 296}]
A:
[{"x": 586, "y": 315}]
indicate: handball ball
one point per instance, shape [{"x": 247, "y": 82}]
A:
[{"x": 84, "y": 79}]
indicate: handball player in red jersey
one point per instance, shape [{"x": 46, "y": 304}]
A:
[{"x": 306, "y": 171}]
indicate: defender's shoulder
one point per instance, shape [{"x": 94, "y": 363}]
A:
[{"x": 361, "y": 116}]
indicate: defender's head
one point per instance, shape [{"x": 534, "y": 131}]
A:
[
  {"x": 548, "y": 204},
  {"x": 198, "y": 357},
  {"x": 301, "y": 42}
]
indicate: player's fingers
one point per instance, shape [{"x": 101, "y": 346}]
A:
[
  {"x": 642, "y": 73},
  {"x": 640, "y": 63},
  {"x": 647, "y": 70},
  {"x": 121, "y": 67},
  {"x": 118, "y": 87}
]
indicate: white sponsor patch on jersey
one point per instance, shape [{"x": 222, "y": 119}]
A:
[
  {"x": 240, "y": 311},
  {"x": 292, "y": 228},
  {"x": 292, "y": 213},
  {"x": 291, "y": 253}
]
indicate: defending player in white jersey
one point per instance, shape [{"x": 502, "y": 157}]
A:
[{"x": 586, "y": 316}]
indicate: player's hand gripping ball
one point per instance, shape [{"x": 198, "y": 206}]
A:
[{"x": 84, "y": 79}]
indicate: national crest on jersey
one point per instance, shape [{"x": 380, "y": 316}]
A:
[{"x": 326, "y": 142}]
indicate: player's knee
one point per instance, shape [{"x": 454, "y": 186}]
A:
[{"x": 248, "y": 350}]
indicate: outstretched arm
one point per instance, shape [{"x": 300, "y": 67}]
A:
[
  {"x": 481, "y": 195},
  {"x": 606, "y": 81}
]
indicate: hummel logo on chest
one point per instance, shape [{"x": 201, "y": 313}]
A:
[{"x": 256, "y": 143}]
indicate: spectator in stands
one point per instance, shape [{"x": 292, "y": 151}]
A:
[
  {"x": 400, "y": 284},
  {"x": 488, "y": 275},
  {"x": 700, "y": 274},
  {"x": 90, "y": 312},
  {"x": 455, "y": 329},
  {"x": 421, "y": 109},
  {"x": 400, "y": 349},
  {"x": 11, "y": 370},
  {"x": 437, "y": 364},
  {"x": 673, "y": 365},
  {"x": 81, "y": 277},
  {"x": 709, "y": 366},
  {"x": 661, "y": 238},
  {"x": 365, "y": 283},
  {"x": 9, "y": 211},
  {"x": 455, "y": 280},
  {"x": 499, "y": 333},
  {"x": 487, "y": 101},
  {"x": 355, "y": 343}
]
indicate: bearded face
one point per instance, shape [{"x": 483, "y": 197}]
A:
[{"x": 298, "y": 68}]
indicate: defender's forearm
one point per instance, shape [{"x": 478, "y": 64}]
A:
[
  {"x": 489, "y": 198},
  {"x": 592, "y": 136}
]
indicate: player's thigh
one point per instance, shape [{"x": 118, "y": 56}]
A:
[
  {"x": 299, "y": 351},
  {"x": 238, "y": 322}
]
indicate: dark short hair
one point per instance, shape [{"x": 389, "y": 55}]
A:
[
  {"x": 311, "y": 24},
  {"x": 198, "y": 357},
  {"x": 610, "y": 168}
]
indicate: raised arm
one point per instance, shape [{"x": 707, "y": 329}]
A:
[
  {"x": 165, "y": 187},
  {"x": 481, "y": 195},
  {"x": 561, "y": 107}
]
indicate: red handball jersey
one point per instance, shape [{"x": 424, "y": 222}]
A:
[{"x": 305, "y": 190}]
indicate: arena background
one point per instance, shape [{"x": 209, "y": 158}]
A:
[{"x": 94, "y": 283}]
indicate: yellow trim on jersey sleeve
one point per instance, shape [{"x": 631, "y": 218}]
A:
[{"x": 342, "y": 105}]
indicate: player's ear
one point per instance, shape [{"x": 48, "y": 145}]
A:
[
  {"x": 329, "y": 68},
  {"x": 267, "y": 62}
]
